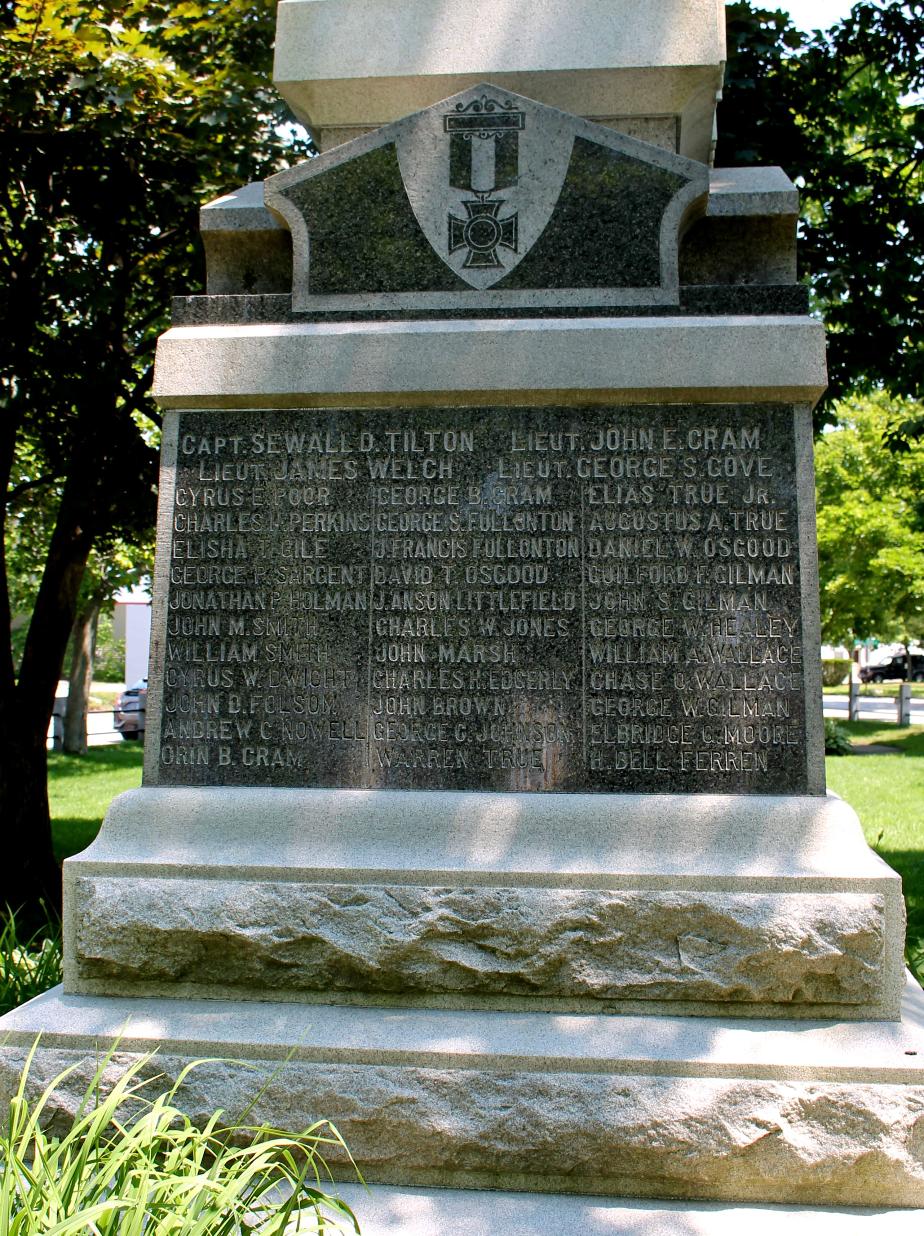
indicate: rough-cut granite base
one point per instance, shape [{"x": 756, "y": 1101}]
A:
[
  {"x": 658, "y": 1107},
  {"x": 567, "y": 943},
  {"x": 749, "y": 905}
]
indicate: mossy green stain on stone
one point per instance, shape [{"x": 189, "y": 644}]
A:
[
  {"x": 364, "y": 237},
  {"x": 605, "y": 231},
  {"x": 606, "y": 228}
]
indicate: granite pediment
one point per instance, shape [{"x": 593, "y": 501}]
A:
[{"x": 488, "y": 200}]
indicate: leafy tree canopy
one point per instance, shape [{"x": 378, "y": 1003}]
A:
[
  {"x": 870, "y": 527},
  {"x": 842, "y": 113},
  {"x": 120, "y": 119},
  {"x": 117, "y": 120}
]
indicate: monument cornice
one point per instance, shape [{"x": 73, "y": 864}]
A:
[
  {"x": 348, "y": 66},
  {"x": 478, "y": 362}
]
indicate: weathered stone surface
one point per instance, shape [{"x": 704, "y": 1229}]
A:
[
  {"x": 488, "y": 199},
  {"x": 740, "y": 251},
  {"x": 745, "y": 241},
  {"x": 733, "y": 1139},
  {"x": 604, "y": 599},
  {"x": 713, "y": 356},
  {"x": 349, "y": 63},
  {"x": 696, "y": 299},
  {"x": 567, "y": 943},
  {"x": 402, "y": 1210},
  {"x": 247, "y": 250}
]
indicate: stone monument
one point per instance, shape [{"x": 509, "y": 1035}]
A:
[{"x": 484, "y": 778}]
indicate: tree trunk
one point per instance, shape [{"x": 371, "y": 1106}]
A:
[
  {"x": 29, "y": 874},
  {"x": 106, "y": 456},
  {"x": 31, "y": 881},
  {"x": 83, "y": 638},
  {"x": 30, "y": 878}
]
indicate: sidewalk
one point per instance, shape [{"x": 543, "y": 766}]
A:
[{"x": 99, "y": 719}]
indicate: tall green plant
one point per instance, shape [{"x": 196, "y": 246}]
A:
[
  {"x": 29, "y": 964},
  {"x": 130, "y": 1164}
]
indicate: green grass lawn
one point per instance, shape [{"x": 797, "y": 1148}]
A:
[
  {"x": 887, "y": 792},
  {"x": 81, "y": 787}
]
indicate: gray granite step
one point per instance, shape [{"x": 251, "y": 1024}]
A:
[
  {"x": 384, "y": 1211},
  {"x": 797, "y": 1112}
]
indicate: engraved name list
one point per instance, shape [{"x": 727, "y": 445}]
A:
[{"x": 504, "y": 598}]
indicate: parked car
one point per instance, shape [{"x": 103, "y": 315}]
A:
[
  {"x": 896, "y": 667},
  {"x": 128, "y": 717}
]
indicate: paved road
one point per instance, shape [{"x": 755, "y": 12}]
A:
[
  {"x": 873, "y": 709},
  {"x": 99, "y": 730}
]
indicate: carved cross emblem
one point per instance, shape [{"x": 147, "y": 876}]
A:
[
  {"x": 484, "y": 157},
  {"x": 483, "y": 172}
]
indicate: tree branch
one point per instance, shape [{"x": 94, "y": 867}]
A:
[{"x": 13, "y": 495}]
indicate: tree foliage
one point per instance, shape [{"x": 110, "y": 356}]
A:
[
  {"x": 841, "y": 112},
  {"x": 122, "y": 566},
  {"x": 870, "y": 528},
  {"x": 117, "y": 120}
]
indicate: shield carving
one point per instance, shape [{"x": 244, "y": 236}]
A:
[{"x": 483, "y": 172}]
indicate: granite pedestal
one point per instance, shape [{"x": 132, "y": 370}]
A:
[
  {"x": 484, "y": 808},
  {"x": 811, "y": 1113}
]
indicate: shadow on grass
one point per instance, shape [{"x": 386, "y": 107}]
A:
[
  {"x": 110, "y": 758},
  {"x": 908, "y": 740},
  {"x": 910, "y": 866},
  {"x": 72, "y": 836}
]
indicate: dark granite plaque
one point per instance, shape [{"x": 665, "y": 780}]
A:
[
  {"x": 580, "y": 599},
  {"x": 487, "y": 200},
  {"x": 605, "y": 230}
]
